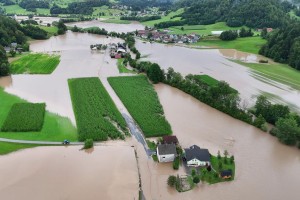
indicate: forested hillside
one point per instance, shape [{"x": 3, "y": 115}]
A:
[
  {"x": 284, "y": 45},
  {"x": 252, "y": 13}
]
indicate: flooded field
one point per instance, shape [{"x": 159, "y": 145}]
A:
[
  {"x": 266, "y": 169},
  {"x": 77, "y": 60},
  {"x": 106, "y": 172},
  {"x": 215, "y": 63},
  {"x": 110, "y": 27}
]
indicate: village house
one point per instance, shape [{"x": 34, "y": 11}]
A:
[
  {"x": 196, "y": 157},
  {"x": 166, "y": 152}
]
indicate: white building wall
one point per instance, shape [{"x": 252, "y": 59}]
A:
[
  {"x": 166, "y": 158},
  {"x": 197, "y": 163}
]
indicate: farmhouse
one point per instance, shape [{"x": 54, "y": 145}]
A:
[
  {"x": 170, "y": 139},
  {"x": 226, "y": 174},
  {"x": 166, "y": 152},
  {"x": 216, "y": 33},
  {"x": 197, "y": 157}
]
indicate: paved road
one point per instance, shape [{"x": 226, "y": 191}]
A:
[{"x": 37, "y": 142}]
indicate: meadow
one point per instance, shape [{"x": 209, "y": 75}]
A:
[
  {"x": 122, "y": 68},
  {"x": 55, "y": 128},
  {"x": 207, "y": 79},
  {"x": 35, "y": 63},
  {"x": 25, "y": 117},
  {"x": 277, "y": 72},
  {"x": 97, "y": 117},
  {"x": 166, "y": 18},
  {"x": 142, "y": 102}
]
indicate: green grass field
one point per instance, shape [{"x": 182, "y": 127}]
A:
[
  {"x": 207, "y": 79},
  {"x": 56, "y": 128},
  {"x": 116, "y": 21},
  {"x": 142, "y": 102},
  {"x": 35, "y": 64},
  {"x": 16, "y": 9},
  {"x": 25, "y": 117},
  {"x": 52, "y": 30},
  {"x": 122, "y": 68},
  {"x": 277, "y": 72},
  {"x": 248, "y": 44},
  {"x": 6, "y": 148},
  {"x": 97, "y": 116},
  {"x": 202, "y": 29},
  {"x": 165, "y": 18}
]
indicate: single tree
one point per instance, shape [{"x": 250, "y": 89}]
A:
[
  {"x": 196, "y": 179},
  {"x": 172, "y": 181}
]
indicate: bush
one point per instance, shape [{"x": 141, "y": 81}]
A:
[
  {"x": 176, "y": 163},
  {"x": 228, "y": 35},
  {"x": 88, "y": 143},
  {"x": 196, "y": 179},
  {"x": 172, "y": 180}
]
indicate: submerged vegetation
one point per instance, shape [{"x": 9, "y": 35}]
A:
[
  {"x": 35, "y": 64},
  {"x": 97, "y": 117},
  {"x": 24, "y": 117},
  {"x": 7, "y": 148},
  {"x": 142, "y": 102}
]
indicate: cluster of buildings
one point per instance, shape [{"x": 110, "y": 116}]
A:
[
  {"x": 13, "y": 47},
  {"x": 118, "y": 50},
  {"x": 163, "y": 36},
  {"x": 193, "y": 156}
]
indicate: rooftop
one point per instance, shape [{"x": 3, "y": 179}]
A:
[
  {"x": 198, "y": 153},
  {"x": 171, "y": 139},
  {"x": 164, "y": 149}
]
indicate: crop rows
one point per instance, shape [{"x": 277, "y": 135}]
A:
[
  {"x": 97, "y": 117},
  {"x": 25, "y": 117},
  {"x": 35, "y": 64},
  {"x": 142, "y": 102}
]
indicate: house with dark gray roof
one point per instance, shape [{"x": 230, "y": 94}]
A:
[
  {"x": 196, "y": 157},
  {"x": 166, "y": 152}
]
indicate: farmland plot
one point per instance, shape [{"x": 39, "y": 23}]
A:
[
  {"x": 142, "y": 102},
  {"x": 97, "y": 117},
  {"x": 25, "y": 117}
]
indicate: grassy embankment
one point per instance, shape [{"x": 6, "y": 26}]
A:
[
  {"x": 52, "y": 30},
  {"x": 35, "y": 64},
  {"x": 207, "y": 79},
  {"x": 142, "y": 102},
  {"x": 55, "y": 128},
  {"x": 97, "y": 116},
  {"x": 122, "y": 68},
  {"x": 278, "y": 72}
]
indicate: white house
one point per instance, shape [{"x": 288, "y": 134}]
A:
[
  {"x": 197, "y": 157},
  {"x": 166, "y": 152}
]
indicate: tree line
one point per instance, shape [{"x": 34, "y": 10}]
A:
[
  {"x": 140, "y": 19},
  {"x": 233, "y": 34},
  {"x": 32, "y": 5},
  {"x": 138, "y": 5}
]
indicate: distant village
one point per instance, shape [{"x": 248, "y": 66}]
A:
[{"x": 164, "y": 37}]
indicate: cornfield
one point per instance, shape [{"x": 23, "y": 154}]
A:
[
  {"x": 142, "y": 102},
  {"x": 97, "y": 116},
  {"x": 25, "y": 117}
]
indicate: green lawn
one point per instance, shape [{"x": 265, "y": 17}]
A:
[
  {"x": 56, "y": 128},
  {"x": 277, "y": 72},
  {"x": 106, "y": 10},
  {"x": 248, "y": 44},
  {"x": 97, "y": 117},
  {"x": 35, "y": 63},
  {"x": 122, "y": 68},
  {"x": 212, "y": 176},
  {"x": 6, "y": 148},
  {"x": 207, "y": 79},
  {"x": 142, "y": 102},
  {"x": 165, "y": 18}
]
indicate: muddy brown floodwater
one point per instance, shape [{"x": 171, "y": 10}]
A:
[
  {"x": 107, "y": 172},
  {"x": 110, "y": 27},
  {"x": 265, "y": 168},
  {"x": 77, "y": 60},
  {"x": 215, "y": 63}
]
